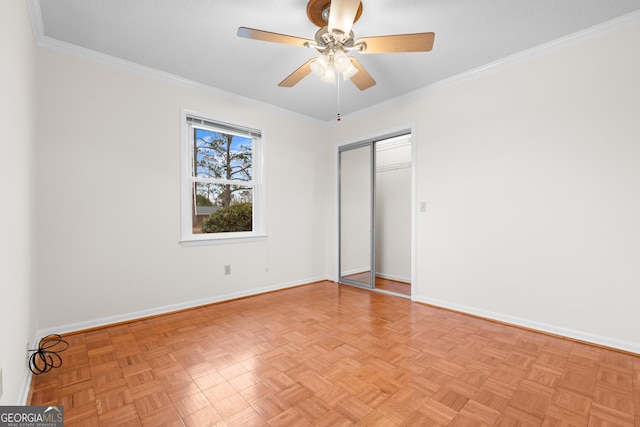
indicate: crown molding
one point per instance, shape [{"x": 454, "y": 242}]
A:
[
  {"x": 570, "y": 40},
  {"x": 45, "y": 42}
]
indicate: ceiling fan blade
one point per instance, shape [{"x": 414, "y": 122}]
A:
[
  {"x": 250, "y": 33},
  {"x": 361, "y": 79},
  {"x": 419, "y": 42},
  {"x": 342, "y": 14},
  {"x": 298, "y": 74}
]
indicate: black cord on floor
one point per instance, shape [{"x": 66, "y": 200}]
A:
[{"x": 46, "y": 356}]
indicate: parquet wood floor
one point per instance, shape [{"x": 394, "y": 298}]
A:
[
  {"x": 333, "y": 355},
  {"x": 393, "y": 286}
]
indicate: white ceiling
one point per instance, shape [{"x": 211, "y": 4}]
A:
[{"x": 196, "y": 40}]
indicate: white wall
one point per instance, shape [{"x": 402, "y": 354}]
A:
[
  {"x": 17, "y": 142},
  {"x": 531, "y": 178},
  {"x": 108, "y": 191}
]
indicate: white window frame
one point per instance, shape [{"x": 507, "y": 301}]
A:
[{"x": 187, "y": 237}]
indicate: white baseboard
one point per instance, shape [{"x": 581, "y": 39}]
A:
[
  {"x": 105, "y": 321},
  {"x": 538, "y": 326},
  {"x": 26, "y": 379},
  {"x": 24, "y": 388}
]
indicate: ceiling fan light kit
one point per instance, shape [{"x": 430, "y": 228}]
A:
[{"x": 331, "y": 64}]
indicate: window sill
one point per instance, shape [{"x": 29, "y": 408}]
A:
[{"x": 223, "y": 240}]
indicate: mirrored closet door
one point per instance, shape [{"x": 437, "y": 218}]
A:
[{"x": 356, "y": 207}]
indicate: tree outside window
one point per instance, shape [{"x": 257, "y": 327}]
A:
[{"x": 221, "y": 186}]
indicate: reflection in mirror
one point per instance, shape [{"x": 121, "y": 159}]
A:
[
  {"x": 393, "y": 214},
  {"x": 356, "y": 216}
]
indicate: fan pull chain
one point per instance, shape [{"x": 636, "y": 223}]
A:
[{"x": 338, "y": 115}]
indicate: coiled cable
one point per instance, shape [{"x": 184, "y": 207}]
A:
[{"x": 46, "y": 356}]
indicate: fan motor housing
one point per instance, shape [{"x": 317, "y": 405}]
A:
[{"x": 318, "y": 12}]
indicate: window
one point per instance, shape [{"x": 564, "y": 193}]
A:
[{"x": 221, "y": 184}]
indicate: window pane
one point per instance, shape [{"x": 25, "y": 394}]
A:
[
  {"x": 222, "y": 155},
  {"x": 219, "y": 208}
]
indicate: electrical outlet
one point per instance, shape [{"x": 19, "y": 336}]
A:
[{"x": 227, "y": 269}]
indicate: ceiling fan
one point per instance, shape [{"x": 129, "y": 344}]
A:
[{"x": 335, "y": 39}]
